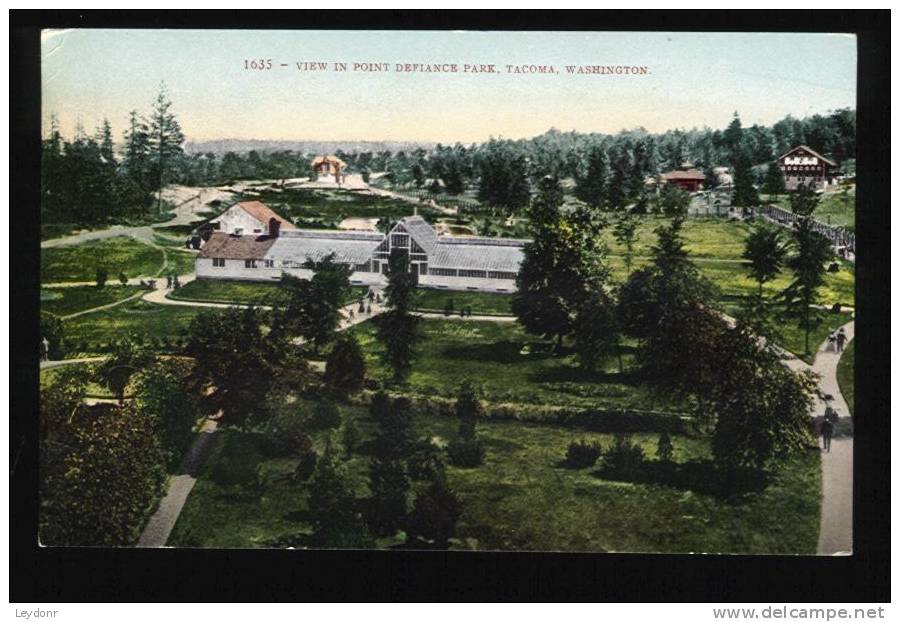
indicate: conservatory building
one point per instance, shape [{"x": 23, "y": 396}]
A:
[{"x": 439, "y": 261}]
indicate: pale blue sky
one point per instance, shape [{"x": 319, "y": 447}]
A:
[{"x": 694, "y": 80}]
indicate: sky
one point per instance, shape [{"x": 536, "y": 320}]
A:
[{"x": 691, "y": 80}]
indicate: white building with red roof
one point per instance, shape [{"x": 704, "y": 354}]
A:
[{"x": 250, "y": 218}]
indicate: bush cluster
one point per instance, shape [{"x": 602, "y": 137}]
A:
[{"x": 582, "y": 454}]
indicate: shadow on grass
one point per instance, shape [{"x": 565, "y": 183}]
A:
[
  {"x": 700, "y": 476},
  {"x": 572, "y": 373}
]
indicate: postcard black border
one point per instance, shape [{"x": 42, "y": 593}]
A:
[{"x": 60, "y": 575}]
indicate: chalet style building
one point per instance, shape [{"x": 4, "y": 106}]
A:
[
  {"x": 250, "y": 218},
  {"x": 687, "y": 178},
  {"x": 802, "y": 165},
  {"x": 329, "y": 166},
  {"x": 439, "y": 261}
]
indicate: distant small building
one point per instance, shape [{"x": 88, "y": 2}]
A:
[
  {"x": 687, "y": 178},
  {"x": 802, "y": 165},
  {"x": 250, "y": 218},
  {"x": 329, "y": 166}
]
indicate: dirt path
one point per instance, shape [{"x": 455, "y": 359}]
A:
[
  {"x": 156, "y": 532},
  {"x": 836, "y": 523}
]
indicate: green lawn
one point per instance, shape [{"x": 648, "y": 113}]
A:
[
  {"x": 94, "y": 389},
  {"x": 509, "y": 365},
  {"x": 522, "y": 499},
  {"x": 845, "y": 375},
  {"x": 308, "y": 207},
  {"x": 68, "y": 300},
  {"x": 716, "y": 238},
  {"x": 479, "y": 302},
  {"x": 138, "y": 318},
  {"x": 835, "y": 207},
  {"x": 180, "y": 261},
  {"x": 242, "y": 292},
  {"x": 79, "y": 262}
]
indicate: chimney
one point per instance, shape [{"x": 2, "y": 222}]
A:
[{"x": 274, "y": 227}]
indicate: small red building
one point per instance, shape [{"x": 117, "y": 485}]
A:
[
  {"x": 687, "y": 178},
  {"x": 802, "y": 165}
]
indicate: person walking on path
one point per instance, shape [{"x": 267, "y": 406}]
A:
[
  {"x": 827, "y": 433},
  {"x": 841, "y": 339}
]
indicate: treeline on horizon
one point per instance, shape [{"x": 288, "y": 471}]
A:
[{"x": 86, "y": 180}]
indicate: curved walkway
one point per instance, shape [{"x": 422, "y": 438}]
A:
[{"x": 836, "y": 522}]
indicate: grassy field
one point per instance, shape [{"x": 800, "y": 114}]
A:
[
  {"x": 845, "y": 375},
  {"x": 136, "y": 318},
  {"x": 79, "y": 262},
  {"x": 522, "y": 499},
  {"x": 479, "y": 302},
  {"x": 509, "y": 366},
  {"x": 835, "y": 207},
  {"x": 242, "y": 292},
  {"x": 716, "y": 247},
  {"x": 68, "y": 300},
  {"x": 308, "y": 207}
]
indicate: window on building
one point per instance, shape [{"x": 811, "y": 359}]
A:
[
  {"x": 510, "y": 276},
  {"x": 442, "y": 272},
  {"x": 257, "y": 231},
  {"x": 218, "y": 263},
  {"x": 238, "y": 231},
  {"x": 249, "y": 263},
  {"x": 474, "y": 274},
  {"x": 361, "y": 267},
  {"x": 400, "y": 240},
  {"x": 269, "y": 263}
]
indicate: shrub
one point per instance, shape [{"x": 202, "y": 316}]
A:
[
  {"x": 466, "y": 453},
  {"x": 425, "y": 461},
  {"x": 123, "y": 278},
  {"x": 664, "y": 447},
  {"x": 834, "y": 267},
  {"x": 582, "y": 454},
  {"x": 326, "y": 416},
  {"x": 624, "y": 458},
  {"x": 350, "y": 436},
  {"x": 345, "y": 367},
  {"x": 101, "y": 277},
  {"x": 448, "y": 308},
  {"x": 836, "y": 307},
  {"x": 286, "y": 434},
  {"x": 306, "y": 466}
]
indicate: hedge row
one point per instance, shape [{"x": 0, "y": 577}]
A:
[{"x": 594, "y": 420}]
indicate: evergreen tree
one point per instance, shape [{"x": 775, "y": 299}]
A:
[
  {"x": 467, "y": 450},
  {"x": 435, "y": 513},
  {"x": 811, "y": 253},
  {"x": 332, "y": 504},
  {"x": 345, "y": 368},
  {"x": 744, "y": 194},
  {"x": 765, "y": 252},
  {"x": 625, "y": 232},
  {"x": 397, "y": 328},
  {"x": 165, "y": 143},
  {"x": 774, "y": 182},
  {"x": 591, "y": 188}
]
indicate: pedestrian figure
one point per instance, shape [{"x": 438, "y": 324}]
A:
[
  {"x": 362, "y": 306},
  {"x": 351, "y": 313},
  {"x": 369, "y": 310},
  {"x": 827, "y": 432},
  {"x": 371, "y": 295},
  {"x": 169, "y": 282},
  {"x": 45, "y": 349},
  {"x": 841, "y": 339},
  {"x": 831, "y": 347}
]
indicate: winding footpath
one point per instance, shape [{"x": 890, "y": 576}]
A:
[{"x": 836, "y": 521}]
